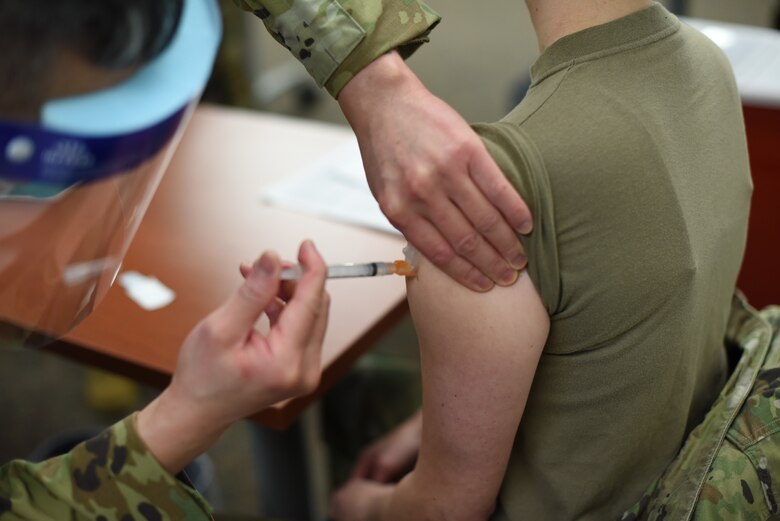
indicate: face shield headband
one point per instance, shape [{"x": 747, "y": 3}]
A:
[
  {"x": 93, "y": 136},
  {"x": 74, "y": 187}
]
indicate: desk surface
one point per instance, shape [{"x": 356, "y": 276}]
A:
[{"x": 206, "y": 218}]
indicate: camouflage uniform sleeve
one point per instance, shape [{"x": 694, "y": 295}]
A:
[
  {"x": 334, "y": 40},
  {"x": 111, "y": 476}
]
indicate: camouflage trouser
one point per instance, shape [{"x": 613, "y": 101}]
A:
[{"x": 729, "y": 468}]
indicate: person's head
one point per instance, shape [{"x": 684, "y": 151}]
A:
[
  {"x": 53, "y": 49},
  {"x": 92, "y": 95}
]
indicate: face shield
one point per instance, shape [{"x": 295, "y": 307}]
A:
[{"x": 74, "y": 186}]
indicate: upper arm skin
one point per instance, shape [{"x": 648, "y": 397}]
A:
[{"x": 479, "y": 353}]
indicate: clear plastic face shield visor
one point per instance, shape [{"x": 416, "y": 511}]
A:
[{"x": 75, "y": 186}]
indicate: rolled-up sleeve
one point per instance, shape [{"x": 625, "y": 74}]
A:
[
  {"x": 111, "y": 476},
  {"x": 334, "y": 40}
]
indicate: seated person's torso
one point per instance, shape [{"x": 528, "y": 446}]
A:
[{"x": 630, "y": 149}]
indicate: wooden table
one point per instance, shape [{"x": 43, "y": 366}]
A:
[{"x": 206, "y": 218}]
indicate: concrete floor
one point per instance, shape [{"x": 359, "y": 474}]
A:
[{"x": 473, "y": 62}]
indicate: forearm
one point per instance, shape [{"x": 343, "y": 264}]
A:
[
  {"x": 335, "y": 40},
  {"x": 387, "y": 75},
  {"x": 112, "y": 472},
  {"x": 174, "y": 432}
]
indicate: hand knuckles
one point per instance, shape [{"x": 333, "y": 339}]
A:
[
  {"x": 285, "y": 375},
  {"x": 393, "y": 208},
  {"x": 461, "y": 146},
  {"x": 296, "y": 379},
  {"x": 310, "y": 381},
  {"x": 210, "y": 331},
  {"x": 499, "y": 188},
  {"x": 487, "y": 222},
  {"x": 441, "y": 255},
  {"x": 468, "y": 244},
  {"x": 253, "y": 292},
  {"x": 421, "y": 183}
]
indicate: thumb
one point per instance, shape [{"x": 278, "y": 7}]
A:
[{"x": 259, "y": 289}]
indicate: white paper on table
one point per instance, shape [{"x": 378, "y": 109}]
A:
[
  {"x": 332, "y": 187},
  {"x": 754, "y": 53}
]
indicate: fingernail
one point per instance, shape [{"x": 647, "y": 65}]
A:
[
  {"x": 509, "y": 277},
  {"x": 519, "y": 261},
  {"x": 526, "y": 227},
  {"x": 484, "y": 283},
  {"x": 266, "y": 265}
]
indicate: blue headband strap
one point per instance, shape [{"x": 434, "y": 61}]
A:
[
  {"x": 31, "y": 154},
  {"x": 92, "y": 136}
]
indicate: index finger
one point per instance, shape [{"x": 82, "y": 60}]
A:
[
  {"x": 304, "y": 309},
  {"x": 500, "y": 192},
  {"x": 433, "y": 246},
  {"x": 241, "y": 311}
]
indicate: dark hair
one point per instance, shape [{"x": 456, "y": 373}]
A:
[{"x": 107, "y": 33}]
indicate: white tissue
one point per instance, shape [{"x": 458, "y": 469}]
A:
[{"x": 148, "y": 292}]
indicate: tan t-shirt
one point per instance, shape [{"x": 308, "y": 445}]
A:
[{"x": 630, "y": 149}]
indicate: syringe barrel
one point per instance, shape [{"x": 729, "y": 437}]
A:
[
  {"x": 370, "y": 269},
  {"x": 345, "y": 271}
]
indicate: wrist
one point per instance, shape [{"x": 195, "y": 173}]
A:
[
  {"x": 387, "y": 75},
  {"x": 175, "y": 431}
]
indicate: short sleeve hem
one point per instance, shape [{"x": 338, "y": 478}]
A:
[{"x": 518, "y": 157}]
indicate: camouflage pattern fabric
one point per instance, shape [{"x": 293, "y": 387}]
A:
[
  {"x": 110, "y": 477},
  {"x": 334, "y": 40},
  {"x": 729, "y": 467}
]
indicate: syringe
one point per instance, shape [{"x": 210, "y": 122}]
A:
[{"x": 350, "y": 270}]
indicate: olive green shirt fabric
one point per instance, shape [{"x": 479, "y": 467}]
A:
[
  {"x": 334, "y": 40},
  {"x": 112, "y": 476},
  {"x": 630, "y": 150}
]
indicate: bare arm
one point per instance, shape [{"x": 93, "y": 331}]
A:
[{"x": 479, "y": 353}]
